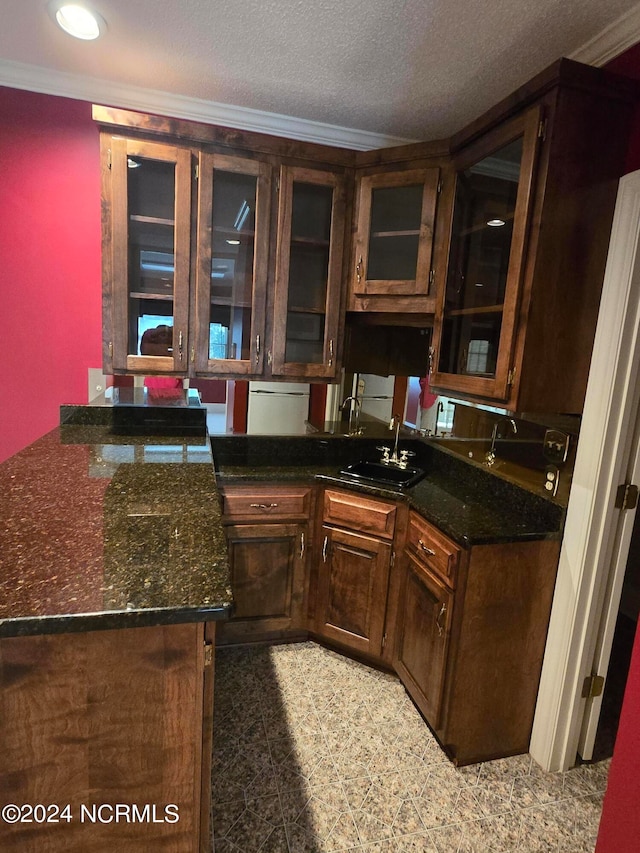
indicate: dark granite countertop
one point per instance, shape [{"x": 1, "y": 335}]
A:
[
  {"x": 103, "y": 530},
  {"x": 471, "y": 506}
]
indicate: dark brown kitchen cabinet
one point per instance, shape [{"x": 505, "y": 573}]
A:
[
  {"x": 470, "y": 631},
  {"x": 477, "y": 323},
  {"x": 393, "y": 242},
  {"x": 96, "y": 718},
  {"x": 356, "y": 548},
  {"x": 146, "y": 257},
  {"x": 221, "y": 256},
  {"x": 528, "y": 212},
  {"x": 232, "y": 265},
  {"x": 422, "y": 638},
  {"x": 267, "y": 531},
  {"x": 307, "y": 309}
]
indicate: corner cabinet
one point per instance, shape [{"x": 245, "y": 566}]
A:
[
  {"x": 219, "y": 260},
  {"x": 394, "y": 238}
]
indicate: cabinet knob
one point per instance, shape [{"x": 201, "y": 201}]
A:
[{"x": 442, "y": 612}]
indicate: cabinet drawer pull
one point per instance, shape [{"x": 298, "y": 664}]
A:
[
  {"x": 324, "y": 549},
  {"x": 442, "y": 612},
  {"x": 425, "y": 548},
  {"x": 302, "y": 546},
  {"x": 263, "y": 506}
]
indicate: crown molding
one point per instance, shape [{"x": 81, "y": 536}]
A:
[
  {"x": 34, "y": 78},
  {"x": 612, "y": 41}
]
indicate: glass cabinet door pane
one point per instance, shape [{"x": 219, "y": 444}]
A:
[
  {"x": 394, "y": 233},
  {"x": 233, "y": 248},
  {"x": 308, "y": 272},
  {"x": 481, "y": 237},
  {"x": 151, "y": 262}
]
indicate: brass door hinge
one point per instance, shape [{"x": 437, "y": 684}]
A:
[
  {"x": 592, "y": 686},
  {"x": 626, "y": 496},
  {"x": 511, "y": 375},
  {"x": 208, "y": 654}
]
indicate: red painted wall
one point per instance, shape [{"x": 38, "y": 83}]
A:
[
  {"x": 620, "y": 823},
  {"x": 50, "y": 292}
]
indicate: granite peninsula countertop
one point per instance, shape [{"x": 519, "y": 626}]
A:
[
  {"x": 104, "y": 530},
  {"x": 471, "y": 506}
]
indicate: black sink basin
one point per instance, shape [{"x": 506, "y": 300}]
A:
[{"x": 377, "y": 472}]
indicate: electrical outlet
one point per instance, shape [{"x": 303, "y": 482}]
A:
[{"x": 555, "y": 446}]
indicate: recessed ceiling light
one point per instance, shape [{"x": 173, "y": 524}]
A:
[
  {"x": 79, "y": 21},
  {"x": 496, "y": 223}
]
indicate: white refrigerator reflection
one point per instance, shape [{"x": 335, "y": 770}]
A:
[{"x": 278, "y": 408}]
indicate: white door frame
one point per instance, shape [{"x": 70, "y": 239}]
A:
[{"x": 602, "y": 458}]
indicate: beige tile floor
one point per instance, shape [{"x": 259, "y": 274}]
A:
[{"x": 314, "y": 752}]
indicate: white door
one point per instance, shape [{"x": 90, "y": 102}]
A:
[
  {"x": 596, "y": 534},
  {"x": 613, "y": 592}
]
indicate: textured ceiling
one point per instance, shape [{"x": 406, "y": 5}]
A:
[{"x": 417, "y": 69}]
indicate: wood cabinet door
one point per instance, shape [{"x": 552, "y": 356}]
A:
[
  {"x": 422, "y": 637},
  {"x": 233, "y": 252},
  {"x": 394, "y": 237},
  {"x": 352, "y": 589},
  {"x": 267, "y": 564},
  {"x": 146, "y": 256},
  {"x": 477, "y": 320},
  {"x": 308, "y": 277}
]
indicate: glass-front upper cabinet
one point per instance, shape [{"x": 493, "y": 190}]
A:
[
  {"x": 233, "y": 250},
  {"x": 394, "y": 233},
  {"x": 308, "y": 273},
  {"x": 149, "y": 257},
  {"x": 476, "y": 321}
]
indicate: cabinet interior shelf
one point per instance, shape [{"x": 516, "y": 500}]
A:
[
  {"x": 311, "y": 242},
  {"x": 480, "y": 309},
  {"x": 140, "y": 294},
  {"x": 296, "y": 309},
  {"x": 151, "y": 220},
  {"x": 414, "y": 232},
  {"x": 228, "y": 301},
  {"x": 221, "y": 229}
]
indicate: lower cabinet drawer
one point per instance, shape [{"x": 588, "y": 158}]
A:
[
  {"x": 253, "y": 503},
  {"x": 431, "y": 547},
  {"x": 365, "y": 515}
]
